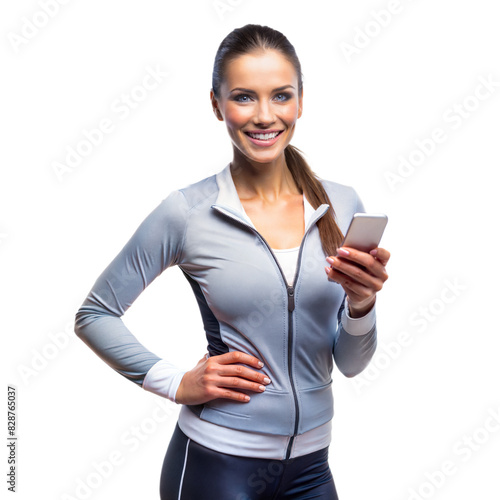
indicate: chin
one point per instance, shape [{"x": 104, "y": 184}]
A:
[{"x": 266, "y": 159}]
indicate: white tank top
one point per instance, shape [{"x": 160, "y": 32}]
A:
[{"x": 287, "y": 258}]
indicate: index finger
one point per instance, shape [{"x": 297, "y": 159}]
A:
[
  {"x": 240, "y": 357},
  {"x": 381, "y": 254},
  {"x": 371, "y": 263}
]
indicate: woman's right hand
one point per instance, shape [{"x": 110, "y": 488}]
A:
[{"x": 218, "y": 377}]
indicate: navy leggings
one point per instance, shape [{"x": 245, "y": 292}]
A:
[{"x": 193, "y": 472}]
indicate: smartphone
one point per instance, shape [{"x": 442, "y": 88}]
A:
[{"x": 365, "y": 231}]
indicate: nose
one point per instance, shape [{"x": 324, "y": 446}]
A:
[{"x": 264, "y": 112}]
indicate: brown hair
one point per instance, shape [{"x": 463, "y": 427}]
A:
[{"x": 253, "y": 37}]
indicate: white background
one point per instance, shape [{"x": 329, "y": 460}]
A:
[{"x": 414, "y": 408}]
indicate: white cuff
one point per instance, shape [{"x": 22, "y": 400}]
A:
[
  {"x": 358, "y": 326},
  {"x": 163, "y": 379}
]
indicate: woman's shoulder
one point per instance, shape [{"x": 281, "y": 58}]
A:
[
  {"x": 198, "y": 192},
  {"x": 336, "y": 187},
  {"x": 341, "y": 194},
  {"x": 183, "y": 199}
]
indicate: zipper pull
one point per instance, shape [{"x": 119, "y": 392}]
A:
[{"x": 291, "y": 301}]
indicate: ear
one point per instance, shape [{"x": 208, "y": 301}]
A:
[
  {"x": 300, "y": 103},
  {"x": 215, "y": 106}
]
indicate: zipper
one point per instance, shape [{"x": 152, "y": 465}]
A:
[
  {"x": 291, "y": 307},
  {"x": 291, "y": 304}
]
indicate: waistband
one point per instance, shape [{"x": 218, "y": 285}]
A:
[{"x": 251, "y": 444}]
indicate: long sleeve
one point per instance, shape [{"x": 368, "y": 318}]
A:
[
  {"x": 356, "y": 338},
  {"x": 355, "y": 342},
  {"x": 155, "y": 245}
]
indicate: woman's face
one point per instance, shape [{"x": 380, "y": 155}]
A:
[{"x": 259, "y": 95}]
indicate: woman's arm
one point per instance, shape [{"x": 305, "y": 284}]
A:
[
  {"x": 155, "y": 245},
  {"x": 355, "y": 341},
  {"x": 361, "y": 275}
]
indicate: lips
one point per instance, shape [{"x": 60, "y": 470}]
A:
[{"x": 266, "y": 135}]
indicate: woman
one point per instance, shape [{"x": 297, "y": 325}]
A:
[{"x": 252, "y": 242}]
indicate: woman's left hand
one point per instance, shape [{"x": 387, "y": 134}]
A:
[{"x": 361, "y": 275}]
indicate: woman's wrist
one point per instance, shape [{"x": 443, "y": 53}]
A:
[{"x": 358, "y": 311}]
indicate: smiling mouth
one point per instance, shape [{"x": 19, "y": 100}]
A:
[{"x": 264, "y": 136}]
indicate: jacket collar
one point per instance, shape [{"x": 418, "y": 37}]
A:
[
  {"x": 229, "y": 201},
  {"x": 228, "y": 196}
]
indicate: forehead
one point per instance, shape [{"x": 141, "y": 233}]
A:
[{"x": 260, "y": 70}]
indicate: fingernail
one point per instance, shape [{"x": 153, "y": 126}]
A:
[
  {"x": 261, "y": 364},
  {"x": 373, "y": 252},
  {"x": 247, "y": 398},
  {"x": 342, "y": 251},
  {"x": 327, "y": 269},
  {"x": 262, "y": 388},
  {"x": 266, "y": 380},
  {"x": 330, "y": 260}
]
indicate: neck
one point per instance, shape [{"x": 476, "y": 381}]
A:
[{"x": 267, "y": 181}]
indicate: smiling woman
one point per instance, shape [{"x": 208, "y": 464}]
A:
[
  {"x": 239, "y": 107},
  {"x": 252, "y": 242}
]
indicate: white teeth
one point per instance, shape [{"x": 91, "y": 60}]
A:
[{"x": 263, "y": 137}]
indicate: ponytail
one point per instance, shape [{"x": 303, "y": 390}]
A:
[{"x": 307, "y": 181}]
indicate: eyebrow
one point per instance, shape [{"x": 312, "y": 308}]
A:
[{"x": 250, "y": 91}]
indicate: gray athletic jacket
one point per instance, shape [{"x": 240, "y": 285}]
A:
[{"x": 245, "y": 303}]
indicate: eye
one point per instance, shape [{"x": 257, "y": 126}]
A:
[
  {"x": 240, "y": 98},
  {"x": 284, "y": 96}
]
